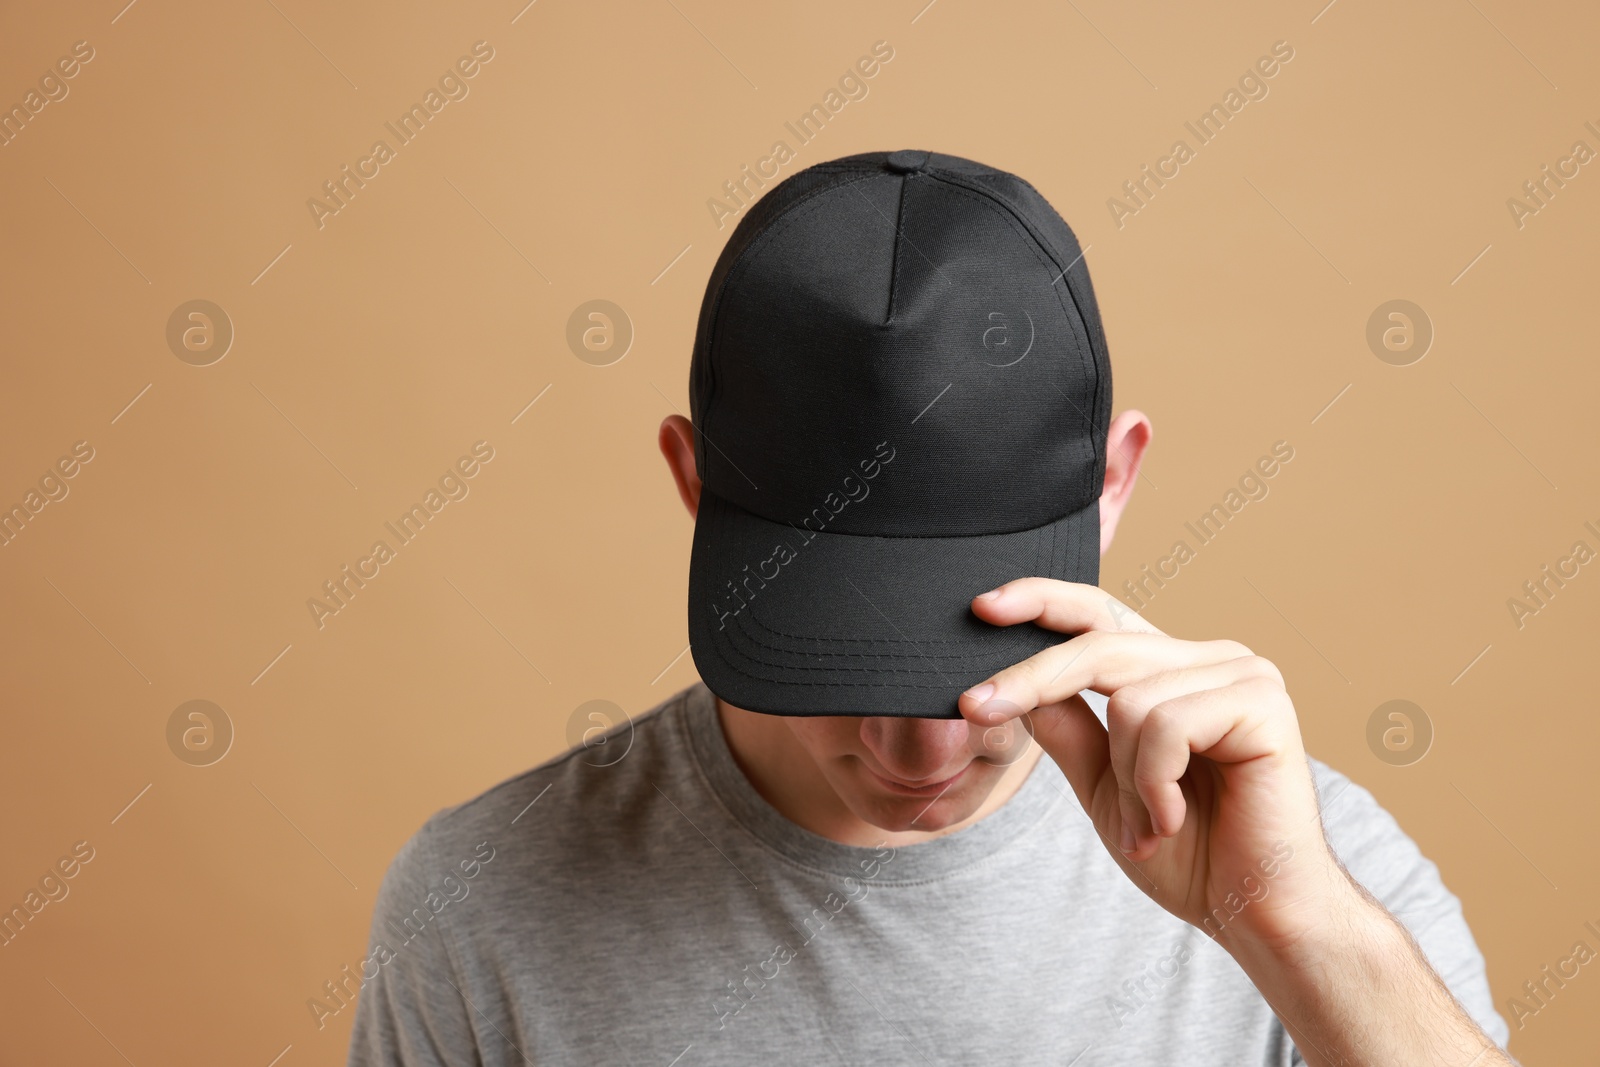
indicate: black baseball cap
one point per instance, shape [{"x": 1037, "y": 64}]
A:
[{"x": 901, "y": 394}]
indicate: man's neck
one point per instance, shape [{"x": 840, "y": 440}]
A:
[{"x": 786, "y": 776}]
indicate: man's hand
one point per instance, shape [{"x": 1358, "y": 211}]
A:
[{"x": 1199, "y": 786}]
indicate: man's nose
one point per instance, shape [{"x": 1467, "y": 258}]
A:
[{"x": 914, "y": 749}]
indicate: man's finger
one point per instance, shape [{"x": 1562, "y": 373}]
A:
[
  {"x": 1070, "y": 733},
  {"x": 1070, "y": 607},
  {"x": 1104, "y": 662},
  {"x": 1229, "y": 725},
  {"x": 1126, "y": 712},
  {"x": 1164, "y": 685}
]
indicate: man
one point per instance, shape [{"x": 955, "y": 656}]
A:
[{"x": 938, "y": 798}]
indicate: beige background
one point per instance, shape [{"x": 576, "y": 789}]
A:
[{"x": 428, "y": 313}]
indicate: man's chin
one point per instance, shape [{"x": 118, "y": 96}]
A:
[{"x": 897, "y": 814}]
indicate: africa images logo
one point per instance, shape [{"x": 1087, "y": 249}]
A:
[
  {"x": 1006, "y": 341},
  {"x": 453, "y": 86}
]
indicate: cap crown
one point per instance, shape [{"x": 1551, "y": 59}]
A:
[{"x": 910, "y": 304}]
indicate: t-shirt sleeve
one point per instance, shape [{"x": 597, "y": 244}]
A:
[
  {"x": 411, "y": 1013},
  {"x": 1379, "y": 855}
]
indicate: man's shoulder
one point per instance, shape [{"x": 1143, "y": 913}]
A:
[
  {"x": 559, "y": 804},
  {"x": 1380, "y": 854}
]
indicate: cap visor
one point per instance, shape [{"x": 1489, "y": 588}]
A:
[{"x": 796, "y": 622}]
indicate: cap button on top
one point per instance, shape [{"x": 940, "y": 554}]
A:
[{"x": 906, "y": 161}]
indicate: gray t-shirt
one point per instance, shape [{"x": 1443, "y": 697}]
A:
[{"x": 637, "y": 902}]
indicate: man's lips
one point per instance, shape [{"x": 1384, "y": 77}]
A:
[{"x": 930, "y": 789}]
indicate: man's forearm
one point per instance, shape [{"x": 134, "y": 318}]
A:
[{"x": 1356, "y": 989}]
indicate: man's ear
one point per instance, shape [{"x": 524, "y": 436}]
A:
[
  {"x": 1128, "y": 437},
  {"x": 676, "y": 440}
]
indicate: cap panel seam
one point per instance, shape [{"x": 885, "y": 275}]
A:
[
  {"x": 1041, "y": 248},
  {"x": 1101, "y": 382},
  {"x": 1043, "y": 254},
  {"x": 899, "y": 239}
]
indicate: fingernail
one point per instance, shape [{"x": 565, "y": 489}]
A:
[
  {"x": 982, "y": 692},
  {"x": 1128, "y": 841},
  {"x": 990, "y": 595}
]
